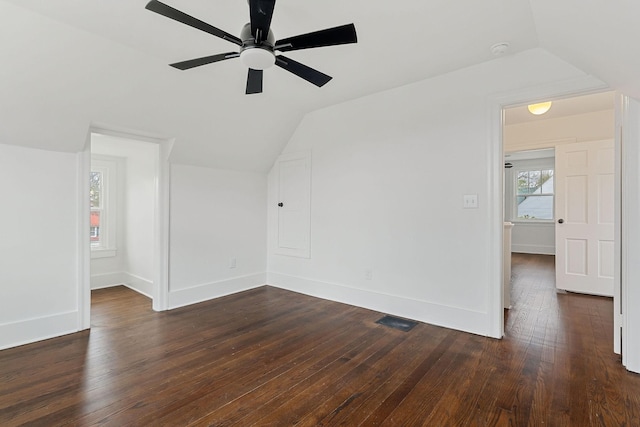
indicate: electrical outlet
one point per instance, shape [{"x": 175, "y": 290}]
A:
[
  {"x": 470, "y": 201},
  {"x": 368, "y": 274},
  {"x": 232, "y": 263}
]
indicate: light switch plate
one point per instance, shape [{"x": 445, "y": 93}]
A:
[{"x": 470, "y": 201}]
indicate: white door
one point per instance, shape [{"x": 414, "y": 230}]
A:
[
  {"x": 294, "y": 204},
  {"x": 585, "y": 217}
]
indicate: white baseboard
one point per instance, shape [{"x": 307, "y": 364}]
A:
[
  {"x": 139, "y": 284},
  {"x": 533, "y": 249},
  {"x": 28, "y": 331},
  {"x": 207, "y": 291},
  {"x": 107, "y": 280},
  {"x": 423, "y": 311},
  {"x": 122, "y": 278}
]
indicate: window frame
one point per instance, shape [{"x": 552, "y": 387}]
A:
[
  {"x": 108, "y": 167},
  {"x": 527, "y": 165}
]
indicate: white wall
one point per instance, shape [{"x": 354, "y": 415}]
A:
[
  {"x": 139, "y": 215},
  {"x": 389, "y": 172},
  {"x": 593, "y": 126},
  {"x": 133, "y": 263},
  {"x": 216, "y": 215},
  {"x": 38, "y": 244}
]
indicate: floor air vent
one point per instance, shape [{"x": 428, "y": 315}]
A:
[{"x": 397, "y": 323}]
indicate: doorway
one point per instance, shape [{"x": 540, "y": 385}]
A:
[
  {"x": 122, "y": 197},
  {"x": 530, "y": 144},
  {"x": 536, "y": 203},
  {"x": 139, "y": 258}
]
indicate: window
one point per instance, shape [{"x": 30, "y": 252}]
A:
[
  {"x": 96, "y": 187},
  {"x": 102, "y": 183},
  {"x": 534, "y": 194}
]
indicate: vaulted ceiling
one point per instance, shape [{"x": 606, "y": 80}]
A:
[{"x": 67, "y": 64}]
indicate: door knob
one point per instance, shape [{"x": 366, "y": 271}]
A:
[
  {"x": 281, "y": 204},
  {"x": 560, "y": 221}
]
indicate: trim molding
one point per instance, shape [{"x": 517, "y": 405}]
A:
[
  {"x": 161, "y": 217},
  {"x": 630, "y": 246},
  {"x": 423, "y": 311},
  {"x": 208, "y": 291},
  {"x": 107, "y": 280},
  {"x": 533, "y": 249},
  {"x": 139, "y": 284},
  {"x": 28, "y": 331},
  {"x": 534, "y": 145},
  {"x": 83, "y": 295},
  {"x": 122, "y": 278}
]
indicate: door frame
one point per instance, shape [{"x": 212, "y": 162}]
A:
[
  {"x": 496, "y": 105},
  {"x": 161, "y": 222},
  {"x": 628, "y": 131}
]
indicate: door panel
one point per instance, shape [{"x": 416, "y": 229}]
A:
[
  {"x": 606, "y": 211},
  {"x": 585, "y": 217},
  {"x": 576, "y": 199},
  {"x": 606, "y": 259},
  {"x": 576, "y": 257},
  {"x": 294, "y": 200}
]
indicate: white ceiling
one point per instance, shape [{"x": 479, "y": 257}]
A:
[{"x": 69, "y": 63}]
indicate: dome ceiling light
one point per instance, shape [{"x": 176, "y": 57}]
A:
[{"x": 539, "y": 109}]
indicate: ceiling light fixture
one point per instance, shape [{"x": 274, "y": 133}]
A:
[{"x": 539, "y": 109}]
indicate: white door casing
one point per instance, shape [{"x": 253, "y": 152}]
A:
[
  {"x": 294, "y": 204},
  {"x": 628, "y": 301},
  {"x": 585, "y": 217}
]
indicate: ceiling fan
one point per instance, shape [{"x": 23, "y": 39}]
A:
[{"x": 257, "y": 44}]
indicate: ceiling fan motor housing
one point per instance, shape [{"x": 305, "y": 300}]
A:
[{"x": 257, "y": 55}]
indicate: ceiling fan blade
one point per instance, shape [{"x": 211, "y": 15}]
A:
[
  {"x": 343, "y": 34},
  {"x": 192, "y": 63},
  {"x": 261, "y": 12},
  {"x": 254, "y": 81},
  {"x": 309, "y": 74},
  {"x": 176, "y": 15}
]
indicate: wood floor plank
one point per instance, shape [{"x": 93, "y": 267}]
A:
[
  {"x": 273, "y": 357},
  {"x": 300, "y": 369},
  {"x": 290, "y": 407},
  {"x": 431, "y": 400},
  {"x": 394, "y": 399},
  {"x": 272, "y": 369},
  {"x": 370, "y": 395}
]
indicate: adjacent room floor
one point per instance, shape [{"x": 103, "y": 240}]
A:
[{"x": 269, "y": 357}]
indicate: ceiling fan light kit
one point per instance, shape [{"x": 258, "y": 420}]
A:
[
  {"x": 258, "y": 56},
  {"x": 258, "y": 47}
]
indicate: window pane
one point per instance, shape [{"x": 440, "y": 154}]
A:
[
  {"x": 547, "y": 181},
  {"x": 523, "y": 182},
  {"x": 95, "y": 189},
  {"x": 95, "y": 227},
  {"x": 535, "y": 207},
  {"x": 535, "y": 182}
]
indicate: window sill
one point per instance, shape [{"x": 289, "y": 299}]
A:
[
  {"x": 103, "y": 253},
  {"x": 533, "y": 221}
]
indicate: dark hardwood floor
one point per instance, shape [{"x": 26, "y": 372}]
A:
[{"x": 269, "y": 357}]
